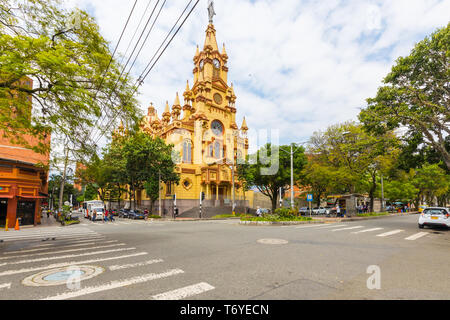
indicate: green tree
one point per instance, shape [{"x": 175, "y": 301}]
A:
[
  {"x": 416, "y": 94},
  {"x": 76, "y": 81},
  {"x": 272, "y": 170},
  {"x": 432, "y": 182},
  {"x": 355, "y": 158}
]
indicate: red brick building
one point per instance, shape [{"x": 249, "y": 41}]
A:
[{"x": 23, "y": 181}]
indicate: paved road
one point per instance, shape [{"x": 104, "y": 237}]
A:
[{"x": 224, "y": 260}]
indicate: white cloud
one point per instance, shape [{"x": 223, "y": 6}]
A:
[{"x": 297, "y": 66}]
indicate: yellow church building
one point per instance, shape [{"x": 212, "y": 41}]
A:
[{"x": 204, "y": 132}]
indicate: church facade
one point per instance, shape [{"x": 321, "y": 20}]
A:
[{"x": 207, "y": 139}]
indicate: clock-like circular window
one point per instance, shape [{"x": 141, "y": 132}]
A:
[
  {"x": 217, "y": 98},
  {"x": 217, "y": 128}
]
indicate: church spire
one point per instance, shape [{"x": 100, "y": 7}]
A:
[{"x": 210, "y": 41}]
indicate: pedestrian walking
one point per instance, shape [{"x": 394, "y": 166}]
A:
[
  {"x": 105, "y": 216},
  {"x": 48, "y": 213},
  {"x": 145, "y": 214},
  {"x": 338, "y": 211},
  {"x": 111, "y": 217},
  {"x": 258, "y": 211},
  {"x": 94, "y": 216}
]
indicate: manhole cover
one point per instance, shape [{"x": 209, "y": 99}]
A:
[
  {"x": 60, "y": 276},
  {"x": 272, "y": 241}
]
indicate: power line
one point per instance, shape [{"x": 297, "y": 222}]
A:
[
  {"x": 110, "y": 61},
  {"x": 129, "y": 58},
  {"x": 142, "y": 79}
]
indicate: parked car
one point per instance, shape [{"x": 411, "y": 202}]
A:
[
  {"x": 435, "y": 217},
  {"x": 123, "y": 213},
  {"x": 319, "y": 210},
  {"x": 303, "y": 211},
  {"x": 136, "y": 214}
]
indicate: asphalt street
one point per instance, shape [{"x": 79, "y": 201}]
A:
[{"x": 222, "y": 259}]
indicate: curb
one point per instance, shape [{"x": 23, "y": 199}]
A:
[
  {"x": 287, "y": 223},
  {"x": 374, "y": 217},
  {"x": 279, "y": 223}
]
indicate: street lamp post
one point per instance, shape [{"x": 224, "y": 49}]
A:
[{"x": 292, "y": 152}]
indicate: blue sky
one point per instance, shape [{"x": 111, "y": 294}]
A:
[{"x": 296, "y": 66}]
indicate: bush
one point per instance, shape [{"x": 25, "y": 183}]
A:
[{"x": 285, "y": 213}]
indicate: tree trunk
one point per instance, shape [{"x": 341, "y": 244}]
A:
[
  {"x": 120, "y": 195},
  {"x": 274, "y": 202}
]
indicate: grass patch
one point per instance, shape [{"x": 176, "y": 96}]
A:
[
  {"x": 154, "y": 217},
  {"x": 68, "y": 223},
  {"x": 373, "y": 214}
]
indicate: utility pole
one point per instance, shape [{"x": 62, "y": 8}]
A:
[
  {"x": 292, "y": 152},
  {"x": 63, "y": 180},
  {"x": 382, "y": 194}
]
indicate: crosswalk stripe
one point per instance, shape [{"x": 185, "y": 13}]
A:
[
  {"x": 67, "y": 237},
  {"x": 47, "y": 234},
  {"x": 84, "y": 243},
  {"x": 184, "y": 292},
  {"x": 115, "y": 285},
  {"x": 65, "y": 264},
  {"x": 5, "y": 286},
  {"x": 133, "y": 265},
  {"x": 62, "y": 251},
  {"x": 417, "y": 236},
  {"x": 45, "y": 231},
  {"x": 368, "y": 230},
  {"x": 349, "y": 228},
  {"x": 67, "y": 256},
  {"x": 390, "y": 233},
  {"x": 321, "y": 226}
]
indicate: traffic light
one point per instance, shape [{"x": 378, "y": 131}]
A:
[{"x": 203, "y": 196}]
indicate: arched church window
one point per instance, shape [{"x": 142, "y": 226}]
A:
[
  {"x": 218, "y": 152},
  {"x": 187, "y": 152}
]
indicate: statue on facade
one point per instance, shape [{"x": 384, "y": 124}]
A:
[{"x": 211, "y": 11}]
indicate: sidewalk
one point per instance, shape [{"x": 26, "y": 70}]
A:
[{"x": 45, "y": 222}]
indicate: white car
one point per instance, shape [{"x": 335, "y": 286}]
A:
[
  {"x": 320, "y": 210},
  {"x": 99, "y": 213},
  {"x": 435, "y": 217}
]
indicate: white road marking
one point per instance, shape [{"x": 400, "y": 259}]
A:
[
  {"x": 184, "y": 292},
  {"x": 79, "y": 244},
  {"x": 322, "y": 226},
  {"x": 390, "y": 233},
  {"x": 80, "y": 235},
  {"x": 5, "y": 286},
  {"x": 115, "y": 285},
  {"x": 62, "y": 251},
  {"x": 368, "y": 230},
  {"x": 133, "y": 265},
  {"x": 349, "y": 228},
  {"x": 64, "y": 264},
  {"x": 67, "y": 256},
  {"x": 417, "y": 236}
]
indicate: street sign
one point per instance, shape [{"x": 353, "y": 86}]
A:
[{"x": 309, "y": 198}]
